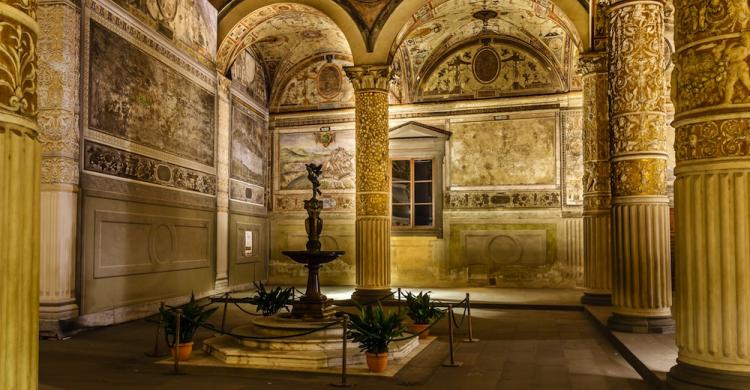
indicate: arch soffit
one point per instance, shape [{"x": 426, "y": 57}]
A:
[{"x": 230, "y": 24}]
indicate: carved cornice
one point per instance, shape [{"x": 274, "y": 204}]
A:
[{"x": 369, "y": 77}]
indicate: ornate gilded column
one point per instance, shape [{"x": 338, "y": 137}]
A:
[
  {"x": 641, "y": 285},
  {"x": 59, "y": 76},
  {"x": 597, "y": 196},
  {"x": 20, "y": 155},
  {"x": 373, "y": 223},
  {"x": 711, "y": 94},
  {"x": 223, "y": 123}
]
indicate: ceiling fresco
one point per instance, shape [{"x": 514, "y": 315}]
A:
[
  {"x": 442, "y": 25},
  {"x": 283, "y": 35}
]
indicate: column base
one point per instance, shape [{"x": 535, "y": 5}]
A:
[
  {"x": 596, "y": 299},
  {"x": 57, "y": 321},
  {"x": 221, "y": 285},
  {"x": 688, "y": 377},
  {"x": 638, "y": 324},
  {"x": 364, "y": 296}
]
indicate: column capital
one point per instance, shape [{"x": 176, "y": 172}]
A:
[
  {"x": 369, "y": 77},
  {"x": 592, "y": 62}
]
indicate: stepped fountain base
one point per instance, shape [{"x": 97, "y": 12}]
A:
[{"x": 318, "y": 350}]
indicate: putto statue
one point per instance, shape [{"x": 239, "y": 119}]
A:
[{"x": 313, "y": 172}]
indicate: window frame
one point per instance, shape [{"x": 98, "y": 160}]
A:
[{"x": 412, "y": 195}]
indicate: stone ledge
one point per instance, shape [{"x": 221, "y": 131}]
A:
[{"x": 651, "y": 355}]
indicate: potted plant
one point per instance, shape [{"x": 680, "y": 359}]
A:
[
  {"x": 270, "y": 302},
  {"x": 193, "y": 316},
  {"x": 422, "y": 311},
  {"x": 374, "y": 329}
]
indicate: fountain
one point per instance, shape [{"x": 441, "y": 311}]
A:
[
  {"x": 283, "y": 347},
  {"x": 313, "y": 304}
]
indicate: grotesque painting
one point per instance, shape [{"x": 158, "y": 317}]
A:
[
  {"x": 335, "y": 151},
  {"x": 319, "y": 85},
  {"x": 572, "y": 125},
  {"x": 489, "y": 71},
  {"x": 248, "y": 146},
  {"x": 138, "y": 98},
  {"x": 120, "y": 163},
  {"x": 248, "y": 74},
  {"x": 191, "y": 24},
  {"x": 497, "y": 153}
]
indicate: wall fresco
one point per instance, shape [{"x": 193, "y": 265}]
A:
[
  {"x": 335, "y": 150},
  {"x": 138, "y": 98},
  {"x": 190, "y": 24},
  {"x": 510, "y": 152},
  {"x": 248, "y": 162},
  {"x": 120, "y": 163},
  {"x": 248, "y": 76}
]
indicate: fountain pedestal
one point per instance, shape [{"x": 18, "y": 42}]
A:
[{"x": 313, "y": 305}]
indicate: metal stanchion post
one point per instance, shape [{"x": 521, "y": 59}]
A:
[
  {"x": 224, "y": 314},
  {"x": 471, "y": 338},
  {"x": 345, "y": 326},
  {"x": 177, "y": 341},
  {"x": 453, "y": 362}
]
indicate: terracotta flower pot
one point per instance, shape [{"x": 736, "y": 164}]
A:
[
  {"x": 377, "y": 362},
  {"x": 416, "y": 328},
  {"x": 184, "y": 352}
]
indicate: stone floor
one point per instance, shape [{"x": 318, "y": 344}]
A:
[{"x": 519, "y": 349}]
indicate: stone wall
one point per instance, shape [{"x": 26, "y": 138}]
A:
[
  {"x": 152, "y": 160},
  {"x": 511, "y": 185}
]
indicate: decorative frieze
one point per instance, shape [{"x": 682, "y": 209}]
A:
[
  {"x": 494, "y": 199},
  {"x": 331, "y": 202},
  {"x": 120, "y": 163}
]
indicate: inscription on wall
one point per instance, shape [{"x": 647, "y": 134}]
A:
[{"x": 136, "y": 97}]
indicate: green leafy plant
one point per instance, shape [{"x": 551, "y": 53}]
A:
[
  {"x": 269, "y": 302},
  {"x": 420, "y": 308},
  {"x": 374, "y": 329},
  {"x": 193, "y": 316}
]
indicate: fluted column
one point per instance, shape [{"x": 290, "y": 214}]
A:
[
  {"x": 58, "y": 90},
  {"x": 223, "y": 123},
  {"x": 20, "y": 156},
  {"x": 597, "y": 196},
  {"x": 711, "y": 94},
  {"x": 641, "y": 286},
  {"x": 373, "y": 223}
]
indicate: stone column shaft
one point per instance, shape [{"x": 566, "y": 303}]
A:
[
  {"x": 373, "y": 218},
  {"x": 641, "y": 287},
  {"x": 59, "y": 75},
  {"x": 597, "y": 196},
  {"x": 20, "y": 155},
  {"x": 711, "y": 95},
  {"x": 223, "y": 123}
]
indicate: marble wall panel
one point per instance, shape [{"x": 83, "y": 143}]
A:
[{"x": 136, "y": 97}]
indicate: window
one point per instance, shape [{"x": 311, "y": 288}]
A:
[{"x": 412, "y": 194}]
